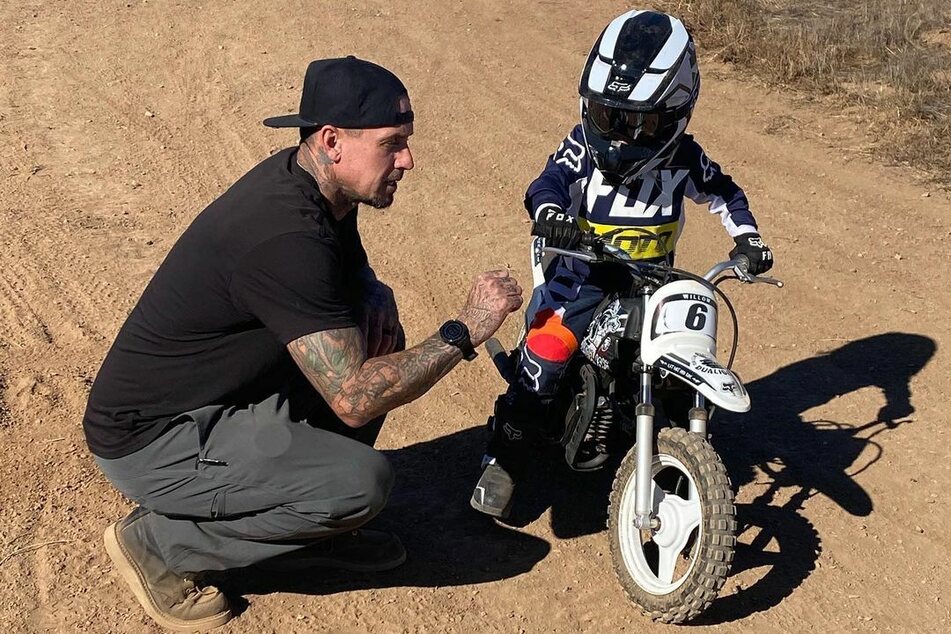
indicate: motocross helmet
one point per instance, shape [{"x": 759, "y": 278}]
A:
[{"x": 638, "y": 90}]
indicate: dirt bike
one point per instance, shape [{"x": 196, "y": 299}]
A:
[{"x": 645, "y": 386}]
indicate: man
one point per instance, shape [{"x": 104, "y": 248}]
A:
[{"x": 233, "y": 400}]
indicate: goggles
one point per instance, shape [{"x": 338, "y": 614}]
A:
[{"x": 630, "y": 126}]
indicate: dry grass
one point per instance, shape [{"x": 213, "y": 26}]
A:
[{"x": 892, "y": 58}]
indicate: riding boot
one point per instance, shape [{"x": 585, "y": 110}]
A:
[{"x": 507, "y": 454}]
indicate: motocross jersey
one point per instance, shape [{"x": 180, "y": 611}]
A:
[{"x": 646, "y": 216}]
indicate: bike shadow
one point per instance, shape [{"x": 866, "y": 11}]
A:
[
  {"x": 793, "y": 459},
  {"x": 447, "y": 542},
  {"x": 775, "y": 448}
]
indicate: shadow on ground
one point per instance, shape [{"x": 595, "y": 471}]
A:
[
  {"x": 793, "y": 459},
  {"x": 449, "y": 544}
]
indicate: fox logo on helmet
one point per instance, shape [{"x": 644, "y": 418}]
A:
[{"x": 620, "y": 87}]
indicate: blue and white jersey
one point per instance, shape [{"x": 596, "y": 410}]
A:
[{"x": 649, "y": 211}]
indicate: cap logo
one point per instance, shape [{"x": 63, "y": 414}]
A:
[{"x": 404, "y": 112}]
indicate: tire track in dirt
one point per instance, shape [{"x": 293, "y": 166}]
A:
[
  {"x": 37, "y": 262},
  {"x": 21, "y": 521},
  {"x": 5, "y": 418},
  {"x": 80, "y": 189},
  {"x": 20, "y": 324},
  {"x": 59, "y": 294},
  {"x": 51, "y": 502},
  {"x": 44, "y": 317}
]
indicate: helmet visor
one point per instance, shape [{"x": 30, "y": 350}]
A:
[{"x": 636, "y": 128}]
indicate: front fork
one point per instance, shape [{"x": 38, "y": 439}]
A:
[{"x": 644, "y": 438}]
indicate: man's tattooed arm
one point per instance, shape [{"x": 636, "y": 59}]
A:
[{"x": 360, "y": 389}]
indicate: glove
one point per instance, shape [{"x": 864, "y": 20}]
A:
[
  {"x": 557, "y": 227},
  {"x": 752, "y": 246}
]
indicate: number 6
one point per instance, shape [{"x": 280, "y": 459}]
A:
[{"x": 696, "y": 317}]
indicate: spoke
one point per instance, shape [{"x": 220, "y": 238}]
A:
[
  {"x": 657, "y": 496},
  {"x": 666, "y": 562},
  {"x": 679, "y": 518},
  {"x": 688, "y": 512}
]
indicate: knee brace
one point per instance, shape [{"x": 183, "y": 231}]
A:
[{"x": 549, "y": 339}]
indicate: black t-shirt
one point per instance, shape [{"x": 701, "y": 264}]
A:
[{"x": 262, "y": 265}]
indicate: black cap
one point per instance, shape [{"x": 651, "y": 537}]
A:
[{"x": 349, "y": 93}]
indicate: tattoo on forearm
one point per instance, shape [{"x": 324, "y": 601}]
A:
[
  {"x": 334, "y": 362},
  {"x": 329, "y": 357}
]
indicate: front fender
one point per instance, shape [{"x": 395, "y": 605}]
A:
[{"x": 704, "y": 373}]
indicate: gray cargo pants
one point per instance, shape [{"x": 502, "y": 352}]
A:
[{"x": 229, "y": 487}]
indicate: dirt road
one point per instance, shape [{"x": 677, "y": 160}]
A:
[{"x": 119, "y": 121}]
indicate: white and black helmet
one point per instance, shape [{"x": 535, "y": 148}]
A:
[{"x": 638, "y": 90}]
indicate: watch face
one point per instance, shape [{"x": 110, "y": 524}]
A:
[{"x": 453, "y": 331}]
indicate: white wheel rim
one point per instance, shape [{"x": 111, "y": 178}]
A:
[{"x": 680, "y": 518}]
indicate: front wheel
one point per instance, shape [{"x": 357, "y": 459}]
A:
[{"x": 675, "y": 571}]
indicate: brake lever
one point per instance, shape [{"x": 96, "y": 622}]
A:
[
  {"x": 578, "y": 255},
  {"x": 742, "y": 269},
  {"x": 615, "y": 251},
  {"x": 744, "y": 275},
  {"x": 766, "y": 280},
  {"x": 590, "y": 249}
]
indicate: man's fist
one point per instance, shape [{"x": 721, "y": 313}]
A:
[{"x": 494, "y": 294}]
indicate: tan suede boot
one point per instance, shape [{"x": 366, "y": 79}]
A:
[{"x": 175, "y": 602}]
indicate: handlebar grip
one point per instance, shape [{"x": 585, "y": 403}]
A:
[
  {"x": 501, "y": 358},
  {"x": 493, "y": 347}
]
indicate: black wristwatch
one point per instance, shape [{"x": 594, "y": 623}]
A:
[{"x": 456, "y": 333}]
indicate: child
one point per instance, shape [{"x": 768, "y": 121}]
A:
[{"x": 629, "y": 164}]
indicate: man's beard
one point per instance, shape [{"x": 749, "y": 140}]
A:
[{"x": 379, "y": 202}]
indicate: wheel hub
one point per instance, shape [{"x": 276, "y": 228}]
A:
[{"x": 677, "y": 518}]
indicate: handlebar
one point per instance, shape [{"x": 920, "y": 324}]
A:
[{"x": 597, "y": 249}]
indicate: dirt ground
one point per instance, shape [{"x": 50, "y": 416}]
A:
[{"x": 120, "y": 121}]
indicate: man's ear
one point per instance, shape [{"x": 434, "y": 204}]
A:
[{"x": 326, "y": 144}]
